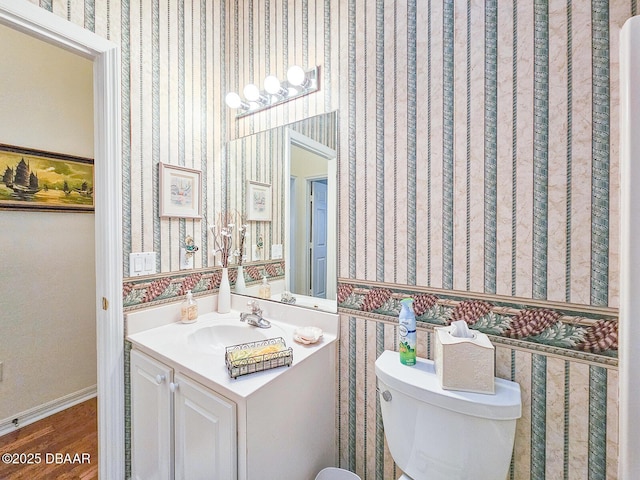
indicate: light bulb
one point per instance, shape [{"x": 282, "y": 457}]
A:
[
  {"x": 233, "y": 100},
  {"x": 251, "y": 92},
  {"x": 272, "y": 85},
  {"x": 296, "y": 75}
]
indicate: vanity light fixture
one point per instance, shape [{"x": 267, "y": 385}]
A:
[
  {"x": 233, "y": 100},
  {"x": 297, "y": 76},
  {"x": 252, "y": 93},
  {"x": 298, "y": 83},
  {"x": 272, "y": 86}
]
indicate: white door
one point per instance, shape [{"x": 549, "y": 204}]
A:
[
  {"x": 205, "y": 433},
  {"x": 291, "y": 245},
  {"x": 151, "y": 419},
  {"x": 319, "y": 239}
]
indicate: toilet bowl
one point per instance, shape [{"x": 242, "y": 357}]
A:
[
  {"x": 332, "y": 473},
  {"x": 436, "y": 434}
]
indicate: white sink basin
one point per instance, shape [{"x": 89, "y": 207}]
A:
[{"x": 215, "y": 338}]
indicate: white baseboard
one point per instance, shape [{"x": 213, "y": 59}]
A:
[{"x": 43, "y": 411}]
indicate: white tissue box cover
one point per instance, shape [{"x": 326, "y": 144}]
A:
[{"x": 466, "y": 364}]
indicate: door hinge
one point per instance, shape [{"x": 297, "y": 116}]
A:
[{"x": 105, "y": 303}]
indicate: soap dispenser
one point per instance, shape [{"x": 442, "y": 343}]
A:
[
  {"x": 407, "y": 332},
  {"x": 265, "y": 289},
  {"x": 189, "y": 309}
]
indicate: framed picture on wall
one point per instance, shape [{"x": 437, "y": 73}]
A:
[
  {"x": 46, "y": 181},
  {"x": 258, "y": 201},
  {"x": 180, "y": 192}
]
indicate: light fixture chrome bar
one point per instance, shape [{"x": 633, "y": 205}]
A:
[{"x": 289, "y": 92}]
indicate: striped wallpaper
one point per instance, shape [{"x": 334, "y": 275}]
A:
[{"x": 478, "y": 147}]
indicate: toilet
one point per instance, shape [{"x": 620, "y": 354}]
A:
[{"x": 436, "y": 434}]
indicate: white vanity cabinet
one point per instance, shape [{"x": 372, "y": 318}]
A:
[
  {"x": 179, "y": 429},
  {"x": 279, "y": 424}
]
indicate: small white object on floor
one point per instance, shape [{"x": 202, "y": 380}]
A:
[{"x": 333, "y": 473}]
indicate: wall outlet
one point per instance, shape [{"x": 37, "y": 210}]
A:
[
  {"x": 256, "y": 253},
  {"x": 186, "y": 259},
  {"x": 276, "y": 251}
]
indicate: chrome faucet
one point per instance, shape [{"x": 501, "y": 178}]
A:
[{"x": 255, "y": 316}]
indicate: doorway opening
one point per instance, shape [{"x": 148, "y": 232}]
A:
[
  {"x": 310, "y": 217},
  {"x": 105, "y": 55}
]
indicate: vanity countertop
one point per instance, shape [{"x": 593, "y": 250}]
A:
[{"x": 173, "y": 343}]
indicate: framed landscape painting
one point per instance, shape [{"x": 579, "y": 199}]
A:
[{"x": 38, "y": 180}]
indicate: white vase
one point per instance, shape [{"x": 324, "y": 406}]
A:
[
  {"x": 241, "y": 286},
  {"x": 224, "y": 293}
]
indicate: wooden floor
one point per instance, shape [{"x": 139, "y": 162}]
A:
[{"x": 62, "y": 446}]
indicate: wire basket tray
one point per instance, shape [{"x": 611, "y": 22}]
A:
[{"x": 252, "y": 357}]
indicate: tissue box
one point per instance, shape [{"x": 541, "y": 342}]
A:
[{"x": 466, "y": 364}]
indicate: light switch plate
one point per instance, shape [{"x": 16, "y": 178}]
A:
[{"x": 142, "y": 263}]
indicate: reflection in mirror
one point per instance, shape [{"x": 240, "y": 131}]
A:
[
  {"x": 296, "y": 245},
  {"x": 311, "y": 220}
]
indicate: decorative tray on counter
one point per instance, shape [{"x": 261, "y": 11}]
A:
[{"x": 252, "y": 357}]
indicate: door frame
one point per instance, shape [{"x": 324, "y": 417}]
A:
[
  {"x": 294, "y": 138},
  {"x": 628, "y": 325},
  {"x": 41, "y": 24}
]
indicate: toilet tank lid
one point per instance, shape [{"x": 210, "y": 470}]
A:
[{"x": 421, "y": 382}]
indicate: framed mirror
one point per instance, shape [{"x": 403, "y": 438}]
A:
[{"x": 296, "y": 245}]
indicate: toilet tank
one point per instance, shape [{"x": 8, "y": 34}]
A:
[{"x": 436, "y": 434}]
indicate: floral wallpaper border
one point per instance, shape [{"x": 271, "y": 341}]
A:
[
  {"x": 147, "y": 291},
  {"x": 575, "y": 331}
]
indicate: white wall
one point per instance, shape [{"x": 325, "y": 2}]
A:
[{"x": 47, "y": 272}]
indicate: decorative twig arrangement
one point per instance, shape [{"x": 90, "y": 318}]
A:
[
  {"x": 240, "y": 251},
  {"x": 223, "y": 237}
]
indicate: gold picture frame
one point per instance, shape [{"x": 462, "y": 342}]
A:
[{"x": 46, "y": 181}]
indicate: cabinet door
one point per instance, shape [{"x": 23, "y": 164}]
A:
[
  {"x": 151, "y": 419},
  {"x": 205, "y": 433}
]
